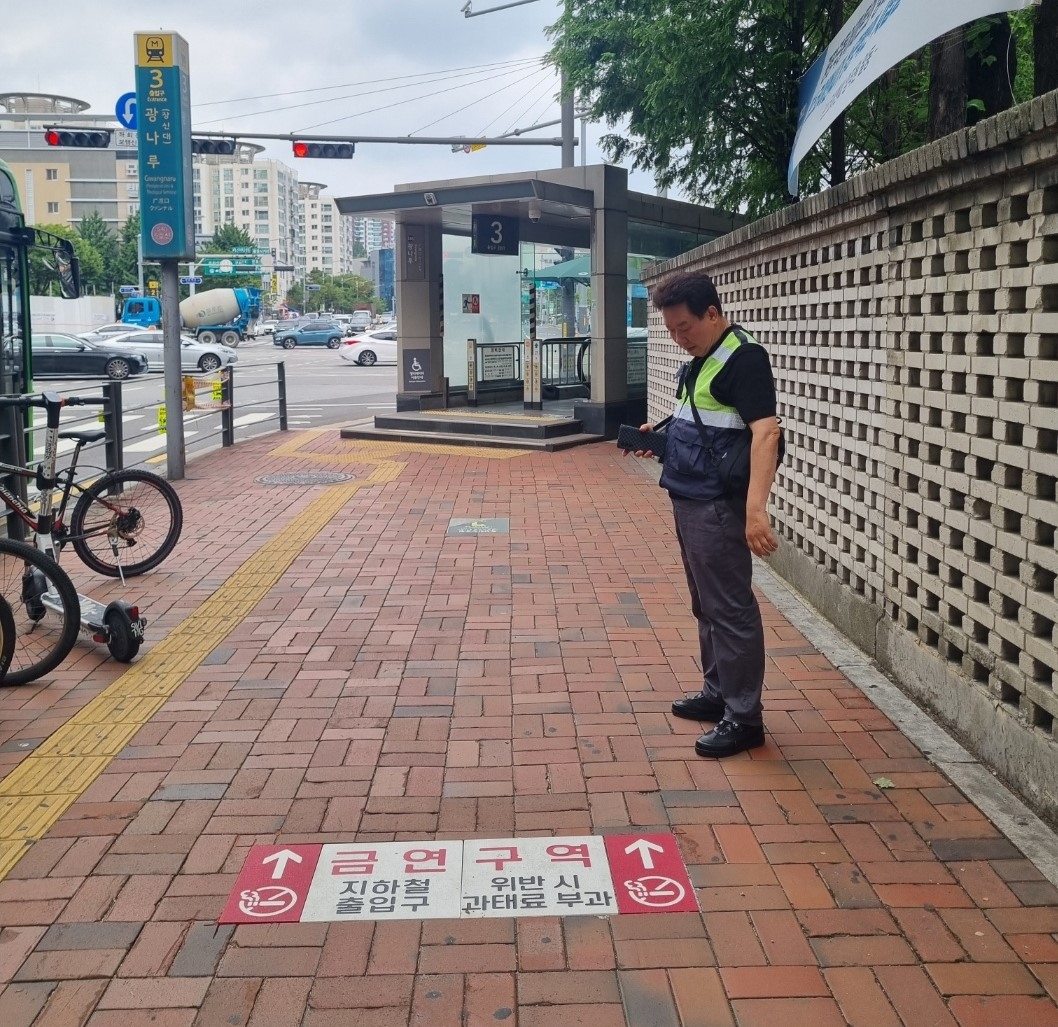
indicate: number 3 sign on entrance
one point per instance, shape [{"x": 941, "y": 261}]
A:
[{"x": 586, "y": 876}]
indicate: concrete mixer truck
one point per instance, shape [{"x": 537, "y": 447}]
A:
[{"x": 216, "y": 315}]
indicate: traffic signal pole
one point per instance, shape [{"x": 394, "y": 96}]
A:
[{"x": 174, "y": 396}]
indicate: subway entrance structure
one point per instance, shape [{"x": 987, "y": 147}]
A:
[{"x": 520, "y": 311}]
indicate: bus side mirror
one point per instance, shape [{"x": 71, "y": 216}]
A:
[{"x": 68, "y": 269}]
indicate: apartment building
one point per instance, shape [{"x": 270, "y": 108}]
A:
[
  {"x": 327, "y": 234},
  {"x": 257, "y": 194},
  {"x": 373, "y": 234}
]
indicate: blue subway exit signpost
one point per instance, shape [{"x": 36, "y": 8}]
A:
[
  {"x": 163, "y": 115},
  {"x": 167, "y": 223}
]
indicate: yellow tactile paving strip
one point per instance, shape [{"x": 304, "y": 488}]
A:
[{"x": 45, "y": 784}]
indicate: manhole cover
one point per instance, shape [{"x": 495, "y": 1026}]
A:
[{"x": 304, "y": 478}]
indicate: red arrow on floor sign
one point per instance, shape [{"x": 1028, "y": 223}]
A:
[
  {"x": 649, "y": 875},
  {"x": 272, "y": 885}
]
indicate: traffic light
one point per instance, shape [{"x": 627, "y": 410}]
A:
[
  {"x": 220, "y": 147},
  {"x": 344, "y": 150},
  {"x": 95, "y": 137}
]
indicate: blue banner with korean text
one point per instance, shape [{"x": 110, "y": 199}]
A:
[{"x": 878, "y": 36}]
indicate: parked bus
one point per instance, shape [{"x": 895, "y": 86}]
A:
[{"x": 57, "y": 263}]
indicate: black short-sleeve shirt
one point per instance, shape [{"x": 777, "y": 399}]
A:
[{"x": 745, "y": 382}]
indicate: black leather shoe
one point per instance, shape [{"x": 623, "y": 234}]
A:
[
  {"x": 728, "y": 738},
  {"x": 699, "y": 707}
]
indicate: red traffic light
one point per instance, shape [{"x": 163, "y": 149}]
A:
[
  {"x": 96, "y": 138},
  {"x": 339, "y": 150}
]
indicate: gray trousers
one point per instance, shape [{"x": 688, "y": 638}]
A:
[{"x": 719, "y": 568}]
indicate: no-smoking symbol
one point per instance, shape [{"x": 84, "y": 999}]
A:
[
  {"x": 656, "y": 892},
  {"x": 271, "y": 900}
]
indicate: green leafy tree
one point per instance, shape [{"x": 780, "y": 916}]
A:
[
  {"x": 93, "y": 229},
  {"x": 708, "y": 88},
  {"x": 230, "y": 238},
  {"x": 295, "y": 297},
  {"x": 340, "y": 294},
  {"x": 126, "y": 267},
  {"x": 704, "y": 93},
  {"x": 42, "y": 280}
]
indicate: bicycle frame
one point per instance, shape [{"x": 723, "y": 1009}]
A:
[{"x": 48, "y": 521}]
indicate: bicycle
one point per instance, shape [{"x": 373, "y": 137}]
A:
[
  {"x": 37, "y": 634},
  {"x": 125, "y": 510},
  {"x": 7, "y": 637}
]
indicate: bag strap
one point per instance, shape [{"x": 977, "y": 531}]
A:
[{"x": 690, "y": 381}]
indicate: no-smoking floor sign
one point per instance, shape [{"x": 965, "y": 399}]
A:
[{"x": 583, "y": 876}]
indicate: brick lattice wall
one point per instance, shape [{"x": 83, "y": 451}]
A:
[{"x": 912, "y": 319}]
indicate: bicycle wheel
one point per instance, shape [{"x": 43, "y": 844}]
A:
[
  {"x": 126, "y": 515},
  {"x": 45, "y": 626},
  {"x": 7, "y": 637}
]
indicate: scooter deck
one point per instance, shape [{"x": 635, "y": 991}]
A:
[
  {"x": 91, "y": 609},
  {"x": 93, "y": 615}
]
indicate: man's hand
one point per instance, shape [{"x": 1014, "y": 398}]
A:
[
  {"x": 642, "y": 452},
  {"x": 761, "y": 538}
]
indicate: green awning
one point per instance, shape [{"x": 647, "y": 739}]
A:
[{"x": 579, "y": 268}]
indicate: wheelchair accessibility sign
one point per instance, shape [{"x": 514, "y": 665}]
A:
[{"x": 417, "y": 370}]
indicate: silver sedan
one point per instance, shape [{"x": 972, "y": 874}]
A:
[{"x": 194, "y": 355}]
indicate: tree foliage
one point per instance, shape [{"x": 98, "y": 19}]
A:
[
  {"x": 340, "y": 294},
  {"x": 126, "y": 264},
  {"x": 230, "y": 238},
  {"x": 703, "y": 93},
  {"x": 95, "y": 231}
]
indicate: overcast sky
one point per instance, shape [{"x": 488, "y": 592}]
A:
[{"x": 370, "y": 67}]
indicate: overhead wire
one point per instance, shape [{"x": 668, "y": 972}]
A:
[
  {"x": 371, "y": 92},
  {"x": 444, "y": 117},
  {"x": 369, "y": 82},
  {"x": 398, "y": 103},
  {"x": 530, "y": 111},
  {"x": 507, "y": 109}
]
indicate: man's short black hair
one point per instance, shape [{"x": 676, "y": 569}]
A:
[{"x": 695, "y": 288}]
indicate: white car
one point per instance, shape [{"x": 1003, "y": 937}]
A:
[
  {"x": 264, "y": 328},
  {"x": 194, "y": 355},
  {"x": 369, "y": 348},
  {"x": 106, "y": 332}
]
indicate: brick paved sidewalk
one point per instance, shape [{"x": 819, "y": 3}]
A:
[{"x": 382, "y": 680}]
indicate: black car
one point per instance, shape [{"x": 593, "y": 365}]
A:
[{"x": 66, "y": 356}]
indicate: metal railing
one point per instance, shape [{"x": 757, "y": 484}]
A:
[
  {"x": 240, "y": 406},
  {"x": 565, "y": 366}
]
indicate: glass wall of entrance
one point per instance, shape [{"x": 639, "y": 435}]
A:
[{"x": 486, "y": 298}]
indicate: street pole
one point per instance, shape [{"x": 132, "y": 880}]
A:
[
  {"x": 174, "y": 397},
  {"x": 139, "y": 260},
  {"x": 567, "y": 122},
  {"x": 567, "y": 135}
]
